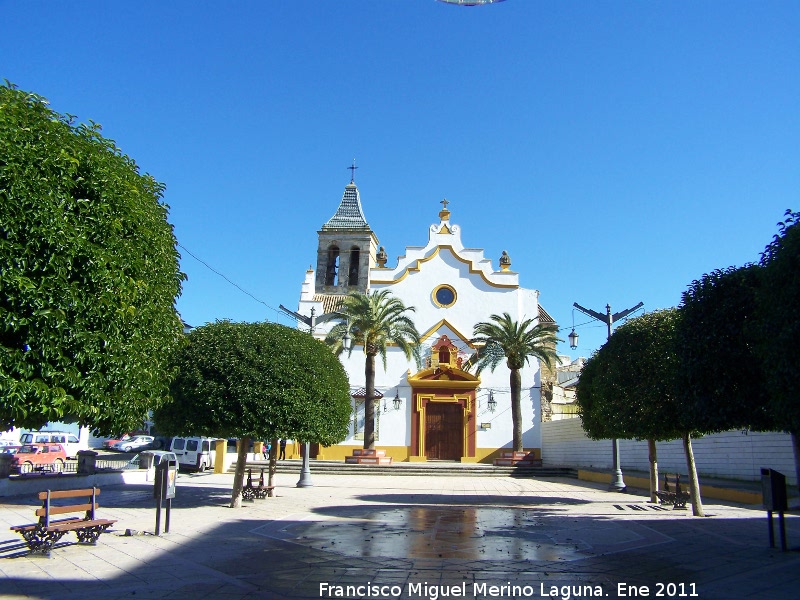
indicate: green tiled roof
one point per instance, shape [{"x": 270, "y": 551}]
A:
[{"x": 349, "y": 215}]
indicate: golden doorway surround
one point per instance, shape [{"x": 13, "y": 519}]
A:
[{"x": 443, "y": 385}]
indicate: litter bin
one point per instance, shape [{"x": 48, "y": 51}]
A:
[
  {"x": 145, "y": 460},
  {"x": 773, "y": 490}
]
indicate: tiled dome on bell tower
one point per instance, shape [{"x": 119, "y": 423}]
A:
[{"x": 346, "y": 249}]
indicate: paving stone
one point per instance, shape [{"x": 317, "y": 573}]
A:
[{"x": 384, "y": 530}]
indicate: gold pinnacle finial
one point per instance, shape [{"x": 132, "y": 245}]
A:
[
  {"x": 444, "y": 214},
  {"x": 505, "y": 261}
]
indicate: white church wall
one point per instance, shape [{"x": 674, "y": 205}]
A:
[
  {"x": 480, "y": 290},
  {"x": 528, "y": 303},
  {"x": 728, "y": 455},
  {"x": 475, "y": 299}
]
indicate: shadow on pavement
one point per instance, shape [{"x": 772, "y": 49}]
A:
[{"x": 405, "y": 539}]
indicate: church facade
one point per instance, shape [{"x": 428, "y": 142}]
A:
[{"x": 439, "y": 410}]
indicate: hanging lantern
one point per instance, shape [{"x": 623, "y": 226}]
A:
[
  {"x": 573, "y": 339},
  {"x": 492, "y": 402}
]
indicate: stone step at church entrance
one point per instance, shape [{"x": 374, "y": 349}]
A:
[{"x": 434, "y": 469}]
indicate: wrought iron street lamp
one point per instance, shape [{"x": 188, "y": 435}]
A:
[
  {"x": 573, "y": 339},
  {"x": 617, "y": 483},
  {"x": 492, "y": 404},
  {"x": 347, "y": 341}
]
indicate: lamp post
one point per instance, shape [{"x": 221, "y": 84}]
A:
[
  {"x": 305, "y": 472},
  {"x": 573, "y": 337},
  {"x": 617, "y": 483}
]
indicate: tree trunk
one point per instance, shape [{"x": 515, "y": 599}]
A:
[
  {"x": 238, "y": 478},
  {"x": 369, "y": 402},
  {"x": 516, "y": 408},
  {"x": 694, "y": 485},
  {"x": 652, "y": 454},
  {"x": 796, "y": 448},
  {"x": 273, "y": 461}
]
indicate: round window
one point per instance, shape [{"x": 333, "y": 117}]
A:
[{"x": 444, "y": 296}]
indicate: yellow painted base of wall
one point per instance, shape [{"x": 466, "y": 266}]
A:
[
  {"x": 487, "y": 455},
  {"x": 402, "y": 453},
  {"x": 398, "y": 453},
  {"x": 706, "y": 491}
]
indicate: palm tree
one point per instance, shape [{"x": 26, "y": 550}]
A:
[
  {"x": 374, "y": 321},
  {"x": 517, "y": 343}
]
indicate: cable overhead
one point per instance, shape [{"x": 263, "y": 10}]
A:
[{"x": 233, "y": 283}]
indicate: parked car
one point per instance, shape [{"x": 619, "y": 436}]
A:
[
  {"x": 134, "y": 444},
  {"x": 110, "y": 442},
  {"x": 9, "y": 446},
  {"x": 71, "y": 443},
  {"x": 195, "y": 453},
  {"x": 35, "y": 457},
  {"x": 159, "y": 456}
]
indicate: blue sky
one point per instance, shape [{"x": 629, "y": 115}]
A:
[{"x": 616, "y": 150}]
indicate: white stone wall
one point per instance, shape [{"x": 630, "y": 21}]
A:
[{"x": 728, "y": 455}]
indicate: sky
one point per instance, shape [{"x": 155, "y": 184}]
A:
[{"x": 616, "y": 150}]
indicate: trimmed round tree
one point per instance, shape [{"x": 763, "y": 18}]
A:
[
  {"x": 89, "y": 275},
  {"x": 256, "y": 381},
  {"x": 723, "y": 379},
  {"x": 630, "y": 389},
  {"x": 779, "y": 327}
]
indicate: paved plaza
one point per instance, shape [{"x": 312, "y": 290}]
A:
[{"x": 431, "y": 537}]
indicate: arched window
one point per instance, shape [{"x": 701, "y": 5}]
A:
[
  {"x": 333, "y": 265},
  {"x": 354, "y": 266}
]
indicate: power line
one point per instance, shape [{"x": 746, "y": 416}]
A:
[{"x": 233, "y": 283}]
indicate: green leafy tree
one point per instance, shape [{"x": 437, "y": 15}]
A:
[
  {"x": 374, "y": 321},
  {"x": 518, "y": 343},
  {"x": 630, "y": 389},
  {"x": 723, "y": 379},
  {"x": 626, "y": 388},
  {"x": 89, "y": 275},
  {"x": 256, "y": 381},
  {"x": 779, "y": 327}
]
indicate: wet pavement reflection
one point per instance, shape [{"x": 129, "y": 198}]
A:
[{"x": 470, "y": 533}]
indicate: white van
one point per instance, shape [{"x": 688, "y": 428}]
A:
[
  {"x": 195, "y": 453},
  {"x": 70, "y": 441}
]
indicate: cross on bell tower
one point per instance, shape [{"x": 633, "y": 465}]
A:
[{"x": 353, "y": 172}]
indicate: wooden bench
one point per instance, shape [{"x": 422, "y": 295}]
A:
[
  {"x": 43, "y": 535},
  {"x": 676, "y": 496},
  {"x": 251, "y": 492}
]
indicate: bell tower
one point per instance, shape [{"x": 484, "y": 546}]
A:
[{"x": 346, "y": 249}]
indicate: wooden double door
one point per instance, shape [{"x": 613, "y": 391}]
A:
[{"x": 444, "y": 431}]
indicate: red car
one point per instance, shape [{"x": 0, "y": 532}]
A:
[
  {"x": 39, "y": 457},
  {"x": 111, "y": 442}
]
